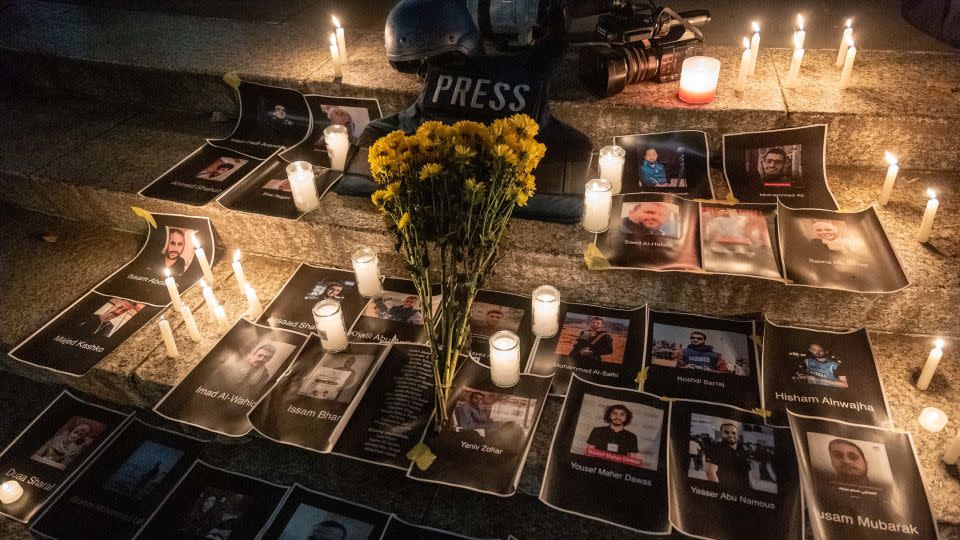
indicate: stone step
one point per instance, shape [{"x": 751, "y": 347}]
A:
[{"x": 176, "y": 61}]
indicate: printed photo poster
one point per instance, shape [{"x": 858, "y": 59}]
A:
[
  {"x": 740, "y": 240},
  {"x": 398, "y": 529},
  {"x": 204, "y": 175},
  {"x": 820, "y": 373},
  {"x": 395, "y": 315},
  {"x": 395, "y": 410},
  {"x": 306, "y": 515},
  {"x": 311, "y": 403},
  {"x": 785, "y": 165},
  {"x": 702, "y": 358},
  {"x": 486, "y": 442},
  {"x": 597, "y": 344},
  {"x": 608, "y": 453},
  {"x": 351, "y": 112},
  {"x": 52, "y": 449},
  {"x": 292, "y": 308},
  {"x": 267, "y": 191},
  {"x": 123, "y": 486},
  {"x": 652, "y": 232},
  {"x": 838, "y": 250},
  {"x": 675, "y": 162},
  {"x": 493, "y": 311},
  {"x": 861, "y": 482},
  {"x": 731, "y": 476},
  {"x": 210, "y": 502},
  {"x": 222, "y": 388},
  {"x": 271, "y": 119}
]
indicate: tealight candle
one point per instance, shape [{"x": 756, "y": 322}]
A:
[
  {"x": 933, "y": 360},
  {"x": 10, "y": 492},
  {"x": 341, "y": 43},
  {"x": 611, "y": 166},
  {"x": 253, "y": 303},
  {"x": 744, "y": 68},
  {"x": 172, "y": 289},
  {"x": 167, "y": 334},
  {"x": 754, "y": 48},
  {"x": 926, "y": 224},
  {"x": 845, "y": 41},
  {"x": 238, "y": 271},
  {"x": 223, "y": 325},
  {"x": 698, "y": 79},
  {"x": 335, "y": 57},
  {"x": 302, "y": 187},
  {"x": 793, "y": 76},
  {"x": 190, "y": 322},
  {"x": 891, "y": 178},
  {"x": 209, "y": 299},
  {"x": 366, "y": 267},
  {"x": 597, "y": 201},
  {"x": 953, "y": 451},
  {"x": 505, "y": 358},
  {"x": 202, "y": 259},
  {"x": 337, "y": 141},
  {"x": 848, "y": 65},
  {"x": 546, "y": 311},
  {"x": 932, "y": 419},
  {"x": 329, "y": 318}
]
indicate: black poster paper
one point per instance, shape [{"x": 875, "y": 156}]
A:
[
  {"x": 395, "y": 410},
  {"x": 788, "y": 165},
  {"x": 731, "y": 477},
  {"x": 351, "y": 112},
  {"x": 203, "y": 175},
  {"x": 675, "y": 162},
  {"x": 489, "y": 433},
  {"x": 609, "y": 451},
  {"x": 394, "y": 315},
  {"x": 96, "y": 324},
  {"x": 266, "y": 190},
  {"x": 271, "y": 118},
  {"x": 310, "y": 405},
  {"x": 308, "y": 514},
  {"x": 52, "y": 448},
  {"x": 838, "y": 250},
  {"x": 292, "y": 308},
  {"x": 214, "y": 503},
  {"x": 702, "y": 358},
  {"x": 740, "y": 239},
  {"x": 398, "y": 529},
  {"x": 861, "y": 482},
  {"x": 598, "y": 344},
  {"x": 652, "y": 232},
  {"x": 222, "y": 388},
  {"x": 115, "y": 495},
  {"x": 493, "y": 311},
  {"x": 819, "y": 373}
]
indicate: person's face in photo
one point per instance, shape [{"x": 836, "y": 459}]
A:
[
  {"x": 826, "y": 231},
  {"x": 730, "y": 434},
  {"x": 618, "y": 417},
  {"x": 410, "y": 302},
  {"x": 279, "y": 112},
  {"x": 697, "y": 339},
  {"x": 848, "y": 461},
  {"x": 338, "y": 116},
  {"x": 650, "y": 156},
  {"x": 596, "y": 324},
  {"x": 348, "y": 363},
  {"x": 818, "y": 351},
  {"x": 119, "y": 308},
  {"x": 476, "y": 399},
  {"x": 723, "y": 212},
  {"x": 175, "y": 244},
  {"x": 328, "y": 530},
  {"x": 334, "y": 291},
  {"x": 773, "y": 165},
  {"x": 78, "y": 433},
  {"x": 260, "y": 357},
  {"x": 494, "y": 318},
  {"x": 650, "y": 215}
]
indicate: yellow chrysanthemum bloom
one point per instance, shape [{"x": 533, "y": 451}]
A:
[
  {"x": 505, "y": 152},
  {"x": 392, "y": 189},
  {"x": 464, "y": 152},
  {"x": 380, "y": 197},
  {"x": 524, "y": 126},
  {"x": 430, "y": 170},
  {"x": 404, "y": 220}
]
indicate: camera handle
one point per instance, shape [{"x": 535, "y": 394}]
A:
[{"x": 671, "y": 14}]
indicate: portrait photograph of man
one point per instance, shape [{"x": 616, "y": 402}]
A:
[
  {"x": 487, "y": 319},
  {"x": 336, "y": 376},
  {"x": 396, "y": 307},
  {"x": 672, "y": 162},
  {"x": 355, "y": 119},
  {"x": 738, "y": 240},
  {"x": 277, "y": 184},
  {"x": 618, "y": 431},
  {"x": 649, "y": 218},
  {"x": 817, "y": 365},
  {"x": 312, "y": 523},
  {"x": 177, "y": 253},
  {"x": 716, "y": 351},
  {"x": 592, "y": 340},
  {"x": 496, "y": 419},
  {"x": 249, "y": 373},
  {"x": 143, "y": 471},
  {"x": 735, "y": 455},
  {"x": 109, "y": 317},
  {"x": 775, "y": 166},
  {"x": 827, "y": 236},
  {"x": 69, "y": 443},
  {"x": 329, "y": 290},
  {"x": 214, "y": 515},
  {"x": 852, "y": 463},
  {"x": 221, "y": 169}
]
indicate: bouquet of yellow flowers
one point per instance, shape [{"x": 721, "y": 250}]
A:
[{"x": 448, "y": 193}]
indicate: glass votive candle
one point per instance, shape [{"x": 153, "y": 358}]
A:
[
  {"x": 337, "y": 140},
  {"x": 546, "y": 311},
  {"x": 698, "y": 79},
  {"x": 10, "y": 492},
  {"x": 933, "y": 419},
  {"x": 366, "y": 267},
  {"x": 329, "y": 319},
  {"x": 597, "y": 201},
  {"x": 611, "y": 166},
  {"x": 302, "y": 187},
  {"x": 505, "y": 358}
]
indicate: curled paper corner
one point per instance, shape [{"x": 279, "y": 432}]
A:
[
  {"x": 762, "y": 412},
  {"x": 232, "y": 79},
  {"x": 642, "y": 375},
  {"x": 665, "y": 398},
  {"x": 422, "y": 456},
  {"x": 730, "y": 199},
  {"x": 147, "y": 216},
  {"x": 595, "y": 259}
]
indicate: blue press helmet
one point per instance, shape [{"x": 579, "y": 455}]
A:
[{"x": 419, "y": 30}]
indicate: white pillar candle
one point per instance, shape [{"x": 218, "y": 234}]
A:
[
  {"x": 505, "y": 358},
  {"x": 366, "y": 268},
  {"x": 596, "y": 205},
  {"x": 793, "y": 76},
  {"x": 932, "y": 419},
  {"x": 341, "y": 43},
  {"x": 546, "y": 311},
  {"x": 10, "y": 492},
  {"x": 167, "y": 334},
  {"x": 190, "y": 322},
  {"x": 172, "y": 289},
  {"x": 302, "y": 186},
  {"x": 335, "y": 57},
  {"x": 800, "y": 34},
  {"x": 744, "y": 68},
  {"x": 337, "y": 141},
  {"x": 754, "y": 48},
  {"x": 926, "y": 224},
  {"x": 238, "y": 271},
  {"x": 933, "y": 360},
  {"x": 210, "y": 300},
  {"x": 329, "y": 319},
  {"x": 611, "y": 166},
  {"x": 223, "y": 325},
  {"x": 202, "y": 259},
  {"x": 253, "y": 303},
  {"x": 953, "y": 451},
  {"x": 698, "y": 79},
  {"x": 848, "y": 66},
  {"x": 845, "y": 42},
  {"x": 891, "y": 178}
]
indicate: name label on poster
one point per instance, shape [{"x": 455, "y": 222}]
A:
[
  {"x": 79, "y": 343},
  {"x": 151, "y": 280},
  {"x": 197, "y": 187},
  {"x": 588, "y": 371},
  {"x": 880, "y": 525},
  {"x": 855, "y": 405},
  {"x": 838, "y": 262},
  {"x": 647, "y": 243},
  {"x": 367, "y": 336},
  {"x": 698, "y": 380},
  {"x": 480, "y": 96},
  {"x": 30, "y": 480},
  {"x": 609, "y": 474},
  {"x": 310, "y": 413},
  {"x": 274, "y": 321},
  {"x": 724, "y": 496},
  {"x": 225, "y": 396}
]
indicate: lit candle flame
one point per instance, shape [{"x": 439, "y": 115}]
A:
[
  {"x": 891, "y": 159},
  {"x": 746, "y": 43},
  {"x": 236, "y": 256},
  {"x": 938, "y": 343},
  {"x": 756, "y": 27},
  {"x": 849, "y": 23},
  {"x": 333, "y": 40},
  {"x": 800, "y": 22},
  {"x": 336, "y": 21},
  {"x": 931, "y": 193},
  {"x": 166, "y": 271}
]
